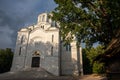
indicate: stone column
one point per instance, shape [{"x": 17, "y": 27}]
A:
[{"x": 81, "y": 61}]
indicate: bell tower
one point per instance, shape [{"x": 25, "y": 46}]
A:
[
  {"x": 44, "y": 21},
  {"x": 43, "y": 18}
]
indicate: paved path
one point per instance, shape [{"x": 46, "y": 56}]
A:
[
  {"x": 85, "y": 77},
  {"x": 92, "y": 77},
  {"x": 41, "y": 74}
]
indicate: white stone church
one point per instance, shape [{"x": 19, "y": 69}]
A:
[{"x": 40, "y": 46}]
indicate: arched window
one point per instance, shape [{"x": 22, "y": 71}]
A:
[
  {"x": 39, "y": 19},
  {"x": 68, "y": 47},
  {"x": 43, "y": 18}
]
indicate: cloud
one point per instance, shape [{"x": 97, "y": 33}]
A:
[
  {"x": 5, "y": 31},
  {"x": 15, "y": 14},
  {"x": 5, "y": 37}
]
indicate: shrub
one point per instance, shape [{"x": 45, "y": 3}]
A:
[{"x": 98, "y": 68}]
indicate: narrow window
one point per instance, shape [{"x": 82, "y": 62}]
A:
[
  {"x": 53, "y": 24},
  {"x": 52, "y": 38},
  {"x": 22, "y": 39},
  {"x": 68, "y": 47},
  {"x": 20, "y": 51},
  {"x": 52, "y": 51},
  {"x": 43, "y": 18},
  {"x": 47, "y": 20}
]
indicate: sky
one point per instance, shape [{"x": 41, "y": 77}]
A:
[{"x": 16, "y": 14}]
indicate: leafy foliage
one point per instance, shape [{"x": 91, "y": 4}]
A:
[
  {"x": 98, "y": 68},
  {"x": 94, "y": 52},
  {"x": 89, "y": 20},
  {"x": 6, "y": 56},
  {"x": 94, "y": 66}
]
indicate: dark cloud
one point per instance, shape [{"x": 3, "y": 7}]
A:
[{"x": 15, "y": 14}]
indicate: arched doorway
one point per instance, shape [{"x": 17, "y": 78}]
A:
[
  {"x": 35, "y": 62},
  {"x": 36, "y": 59}
]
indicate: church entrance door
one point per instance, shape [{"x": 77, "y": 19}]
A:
[{"x": 35, "y": 61}]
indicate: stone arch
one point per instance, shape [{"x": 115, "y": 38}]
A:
[{"x": 36, "y": 53}]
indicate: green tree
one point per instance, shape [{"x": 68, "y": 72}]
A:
[
  {"x": 6, "y": 56},
  {"x": 90, "y": 21},
  {"x": 91, "y": 54},
  {"x": 94, "y": 52}
]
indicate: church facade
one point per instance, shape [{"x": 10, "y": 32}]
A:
[{"x": 40, "y": 46}]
